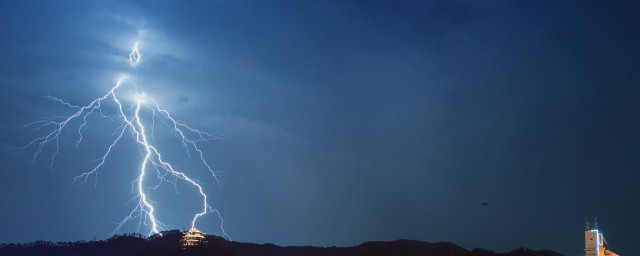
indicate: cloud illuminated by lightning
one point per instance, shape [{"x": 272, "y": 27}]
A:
[{"x": 129, "y": 113}]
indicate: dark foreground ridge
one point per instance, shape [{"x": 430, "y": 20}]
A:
[{"x": 168, "y": 244}]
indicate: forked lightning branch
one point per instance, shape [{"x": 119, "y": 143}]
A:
[{"x": 132, "y": 126}]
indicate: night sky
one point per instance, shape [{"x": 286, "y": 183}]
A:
[{"x": 344, "y": 121}]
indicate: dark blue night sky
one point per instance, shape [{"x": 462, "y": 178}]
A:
[{"x": 344, "y": 121}]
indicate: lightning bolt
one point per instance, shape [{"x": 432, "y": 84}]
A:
[{"x": 133, "y": 124}]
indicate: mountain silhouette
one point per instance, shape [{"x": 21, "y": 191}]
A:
[{"x": 168, "y": 244}]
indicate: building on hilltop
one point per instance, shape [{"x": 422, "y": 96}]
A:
[{"x": 193, "y": 237}]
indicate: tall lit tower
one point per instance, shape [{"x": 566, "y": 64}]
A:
[{"x": 594, "y": 243}]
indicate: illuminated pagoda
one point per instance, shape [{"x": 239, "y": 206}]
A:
[
  {"x": 595, "y": 242},
  {"x": 193, "y": 237}
]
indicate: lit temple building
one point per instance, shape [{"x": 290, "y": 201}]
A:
[
  {"x": 193, "y": 237},
  {"x": 594, "y": 243}
]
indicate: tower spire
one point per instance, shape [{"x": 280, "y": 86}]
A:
[{"x": 587, "y": 225}]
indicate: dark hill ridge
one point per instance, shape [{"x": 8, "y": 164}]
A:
[{"x": 168, "y": 244}]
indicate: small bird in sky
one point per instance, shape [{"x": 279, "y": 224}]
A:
[{"x": 484, "y": 204}]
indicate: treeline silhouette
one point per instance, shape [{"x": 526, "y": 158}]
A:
[{"x": 168, "y": 244}]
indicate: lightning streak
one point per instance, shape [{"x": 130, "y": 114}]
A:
[{"x": 133, "y": 123}]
